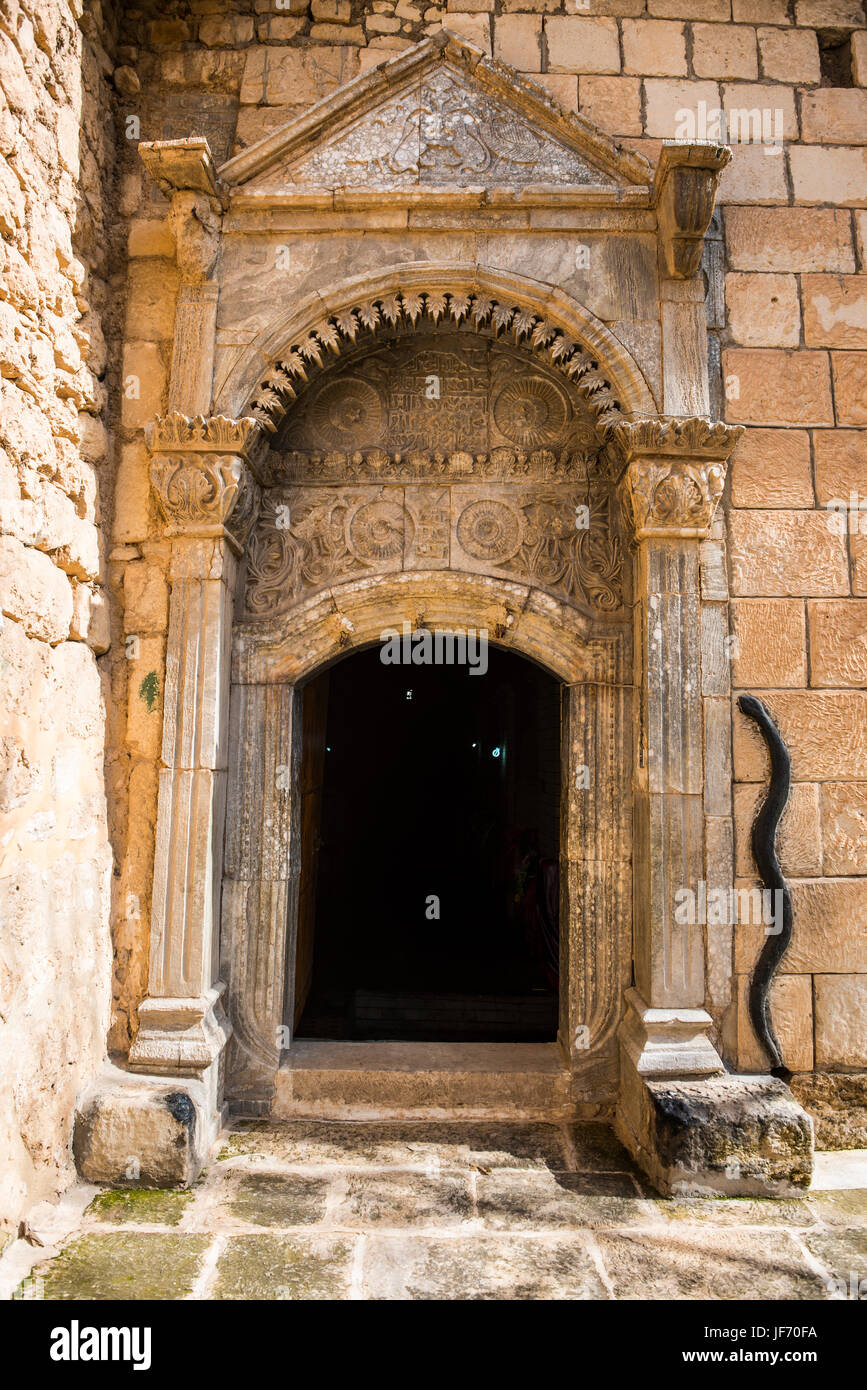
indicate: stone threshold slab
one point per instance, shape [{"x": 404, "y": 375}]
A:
[{"x": 371, "y": 1080}]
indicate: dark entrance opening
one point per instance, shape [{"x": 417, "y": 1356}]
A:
[{"x": 430, "y": 841}]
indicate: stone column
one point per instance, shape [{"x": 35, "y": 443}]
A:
[
  {"x": 673, "y": 473},
  {"x": 208, "y": 496}
]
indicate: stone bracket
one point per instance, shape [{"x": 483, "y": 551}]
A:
[{"x": 684, "y": 191}]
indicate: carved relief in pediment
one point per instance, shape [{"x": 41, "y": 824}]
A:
[{"x": 443, "y": 129}]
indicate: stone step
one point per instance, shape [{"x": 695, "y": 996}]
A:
[{"x": 372, "y": 1080}]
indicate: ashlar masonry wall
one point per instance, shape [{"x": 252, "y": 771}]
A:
[{"x": 56, "y": 156}]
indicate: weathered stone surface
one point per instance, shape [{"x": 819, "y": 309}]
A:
[
  {"x": 838, "y": 641},
  {"x": 826, "y": 735},
  {"x": 150, "y": 1206},
  {"x": 841, "y": 465},
  {"x": 141, "y": 1132},
  {"x": 791, "y": 1003},
  {"x": 487, "y": 1267},
  {"x": 767, "y": 386},
  {"x": 769, "y": 647},
  {"x": 835, "y": 310},
  {"x": 850, "y": 386},
  {"x": 841, "y": 1020},
  {"x": 799, "y": 840},
  {"x": 654, "y": 47},
  {"x": 786, "y": 553},
  {"x": 829, "y": 933},
  {"x": 729, "y": 1134},
  {"x": 789, "y": 55},
  {"x": 264, "y": 1199},
  {"x": 763, "y": 310},
  {"x": 844, "y": 827},
  {"x": 682, "y": 1270},
  {"x": 125, "y": 1266},
  {"x": 789, "y": 238},
  {"x": 838, "y": 1104},
  {"x": 34, "y": 591},
  {"x": 282, "y": 1267},
  {"x": 771, "y": 468}
]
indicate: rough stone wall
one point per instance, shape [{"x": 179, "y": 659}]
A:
[
  {"x": 786, "y": 311},
  {"x": 56, "y": 155}
]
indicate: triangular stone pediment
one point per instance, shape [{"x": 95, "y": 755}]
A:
[{"x": 441, "y": 114}]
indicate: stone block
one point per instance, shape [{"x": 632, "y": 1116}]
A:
[
  {"x": 850, "y": 387},
  {"x": 517, "y": 40},
  {"x": 475, "y": 28},
  {"x": 667, "y": 101},
  {"x": 150, "y": 236},
  {"x": 563, "y": 87},
  {"x": 835, "y": 310},
  {"x": 786, "y": 554},
  {"x": 799, "y": 839},
  {"x": 745, "y": 1136},
  {"x": 795, "y": 239},
  {"x": 145, "y": 706},
  {"x": 137, "y": 1131},
  {"x": 825, "y": 14},
  {"x": 771, "y": 468},
  {"x": 769, "y": 386},
  {"x": 844, "y": 827},
  {"x": 830, "y": 929},
  {"x": 756, "y": 174},
  {"x": 654, "y": 47},
  {"x": 144, "y": 383},
  {"x": 576, "y": 44},
  {"x": 689, "y": 9},
  {"x": 837, "y": 176},
  {"x": 614, "y": 103},
  {"x": 763, "y": 310},
  {"x": 218, "y": 32},
  {"x": 838, "y": 1104},
  {"x": 150, "y": 303},
  {"x": 789, "y": 56},
  {"x": 834, "y": 116},
  {"x": 825, "y": 731},
  {"x": 132, "y": 498},
  {"x": 34, "y": 592},
  {"x": 841, "y": 465},
  {"x": 769, "y": 650},
  {"x": 841, "y": 1020},
  {"x": 146, "y": 598},
  {"x": 791, "y": 1003},
  {"x": 838, "y": 641},
  {"x": 859, "y": 58},
  {"x": 741, "y": 102},
  {"x": 724, "y": 51}
]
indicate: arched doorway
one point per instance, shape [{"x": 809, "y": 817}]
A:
[{"x": 430, "y": 847}]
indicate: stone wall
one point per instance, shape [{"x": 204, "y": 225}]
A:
[{"x": 56, "y": 159}]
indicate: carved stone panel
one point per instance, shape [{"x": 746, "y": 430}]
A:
[{"x": 441, "y": 129}]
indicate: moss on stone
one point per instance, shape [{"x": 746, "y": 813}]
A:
[
  {"x": 125, "y": 1265},
  {"x": 159, "y": 1206}
]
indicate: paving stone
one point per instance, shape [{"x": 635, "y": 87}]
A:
[
  {"x": 480, "y": 1268},
  {"x": 843, "y": 1253},
  {"x": 126, "y": 1265},
  {"x": 845, "y": 1208},
  {"x": 404, "y": 1199},
  {"x": 284, "y": 1267},
  {"x": 541, "y": 1201},
  {"x": 708, "y": 1264},
  {"x": 152, "y": 1205},
  {"x": 406, "y": 1144},
  {"x": 738, "y": 1211},
  {"x": 598, "y": 1150},
  {"x": 266, "y": 1199}
]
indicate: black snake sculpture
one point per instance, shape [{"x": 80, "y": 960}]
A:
[{"x": 765, "y": 854}]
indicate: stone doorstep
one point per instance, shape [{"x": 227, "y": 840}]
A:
[{"x": 378, "y": 1080}]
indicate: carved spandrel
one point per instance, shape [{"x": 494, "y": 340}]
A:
[{"x": 308, "y": 539}]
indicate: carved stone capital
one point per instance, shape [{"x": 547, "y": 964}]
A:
[
  {"x": 684, "y": 190},
  {"x": 671, "y": 497},
  {"x": 204, "y": 476}
]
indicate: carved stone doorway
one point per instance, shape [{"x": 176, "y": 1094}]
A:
[{"x": 428, "y": 904}]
